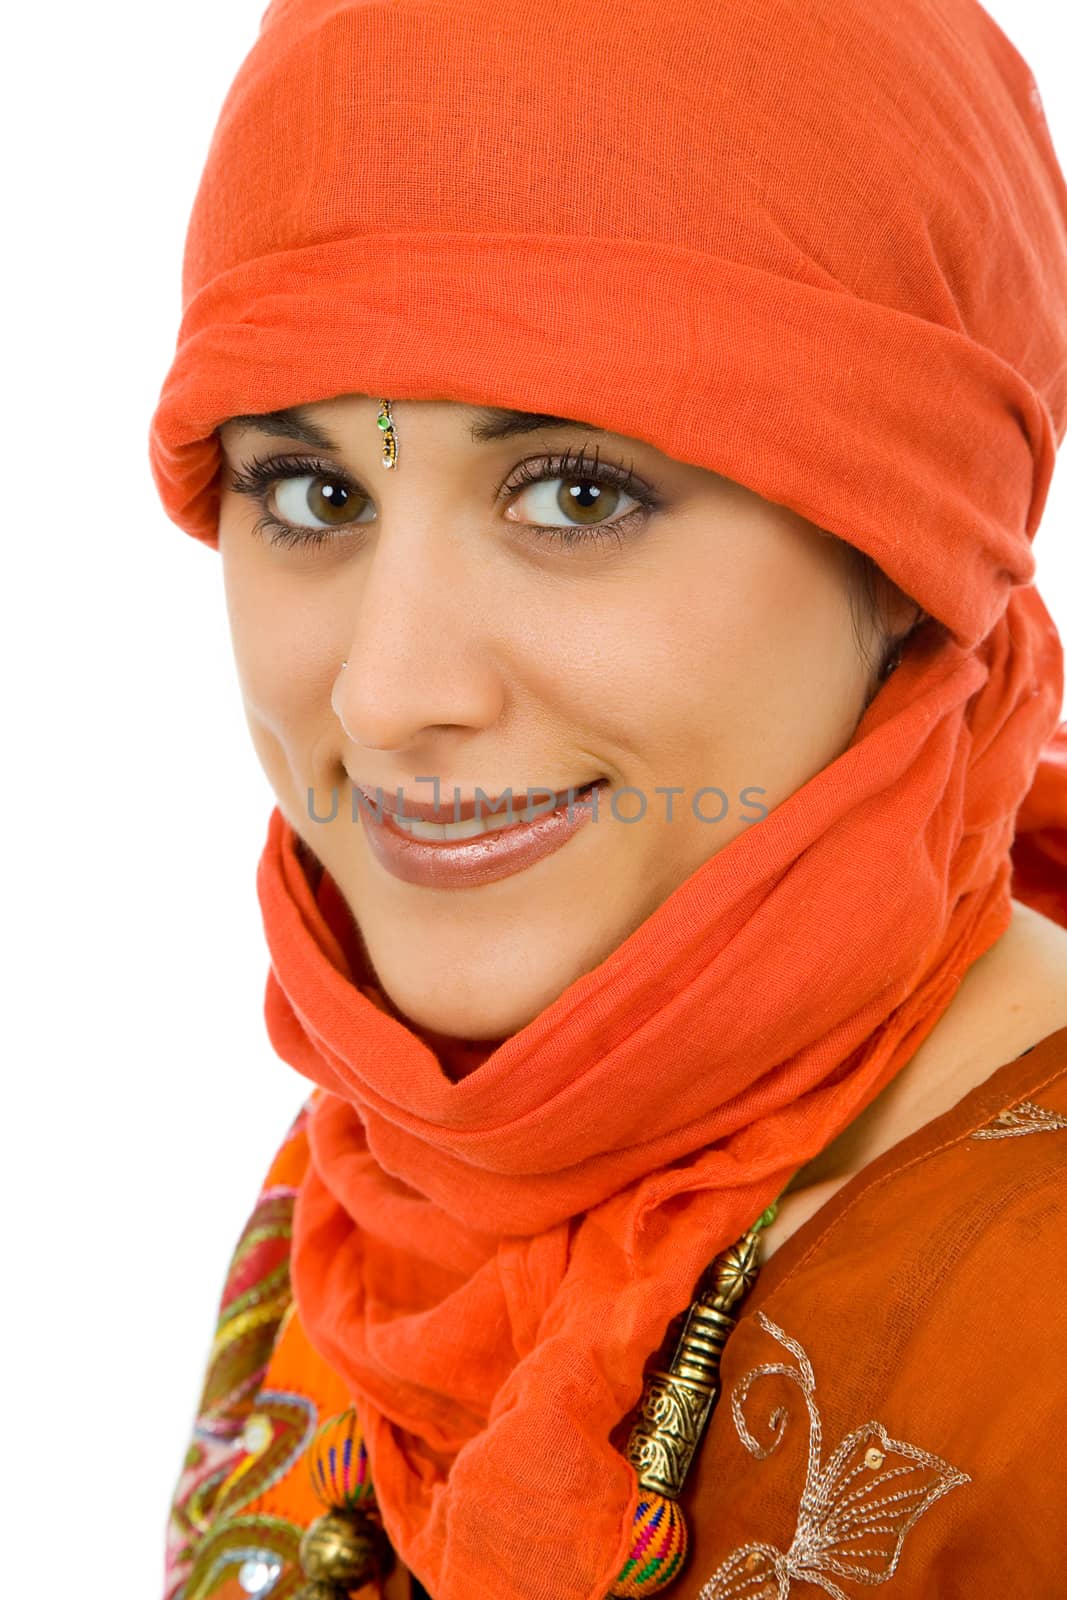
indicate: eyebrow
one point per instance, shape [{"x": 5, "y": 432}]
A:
[{"x": 489, "y": 424}]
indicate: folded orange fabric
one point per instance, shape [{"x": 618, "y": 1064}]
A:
[{"x": 824, "y": 253}]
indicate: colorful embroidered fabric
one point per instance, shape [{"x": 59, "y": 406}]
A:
[{"x": 244, "y": 1496}]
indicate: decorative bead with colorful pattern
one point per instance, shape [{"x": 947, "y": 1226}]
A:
[
  {"x": 339, "y": 1464},
  {"x": 658, "y": 1548},
  {"x": 347, "y": 1546}
]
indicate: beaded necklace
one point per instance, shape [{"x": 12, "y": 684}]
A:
[{"x": 347, "y": 1546}]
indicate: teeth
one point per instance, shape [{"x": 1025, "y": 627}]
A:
[{"x": 437, "y": 832}]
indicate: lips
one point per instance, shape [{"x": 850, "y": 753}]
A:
[
  {"x": 457, "y": 808},
  {"x": 492, "y": 854}
]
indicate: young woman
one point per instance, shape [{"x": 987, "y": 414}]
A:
[{"x": 667, "y": 888}]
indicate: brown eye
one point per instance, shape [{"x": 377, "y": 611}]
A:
[
  {"x": 583, "y": 501},
  {"x": 582, "y": 490},
  {"x": 587, "y": 501},
  {"x": 320, "y": 498}
]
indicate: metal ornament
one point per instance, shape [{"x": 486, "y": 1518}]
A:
[
  {"x": 341, "y": 1551},
  {"x": 892, "y": 664},
  {"x": 385, "y": 422},
  {"x": 678, "y": 1400}
]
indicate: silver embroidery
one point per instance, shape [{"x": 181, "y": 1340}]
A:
[
  {"x": 1026, "y": 1117},
  {"x": 853, "y": 1513}
]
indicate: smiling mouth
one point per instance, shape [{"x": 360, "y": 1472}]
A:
[{"x": 410, "y": 817}]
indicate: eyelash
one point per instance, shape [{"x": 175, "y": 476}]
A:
[{"x": 261, "y": 473}]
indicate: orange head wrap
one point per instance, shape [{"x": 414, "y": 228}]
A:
[{"x": 818, "y": 250}]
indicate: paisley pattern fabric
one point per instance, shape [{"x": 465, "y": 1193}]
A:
[{"x": 243, "y": 1498}]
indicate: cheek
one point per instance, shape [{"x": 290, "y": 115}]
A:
[
  {"x": 755, "y": 679},
  {"x": 773, "y": 602},
  {"x": 789, "y": 673},
  {"x": 282, "y": 645}
]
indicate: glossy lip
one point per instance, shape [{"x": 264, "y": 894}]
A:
[
  {"x": 468, "y": 863},
  {"x": 460, "y": 808}
]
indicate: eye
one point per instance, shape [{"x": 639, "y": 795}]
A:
[
  {"x": 585, "y": 490},
  {"x": 292, "y": 490},
  {"x": 329, "y": 498}
]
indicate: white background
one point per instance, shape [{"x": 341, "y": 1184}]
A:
[{"x": 146, "y": 1098}]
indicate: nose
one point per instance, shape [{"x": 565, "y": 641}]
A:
[{"x": 419, "y": 658}]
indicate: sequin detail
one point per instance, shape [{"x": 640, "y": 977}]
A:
[
  {"x": 1025, "y": 1117},
  {"x": 289, "y": 1422},
  {"x": 259, "y": 1574},
  {"x": 234, "y": 1545},
  {"x": 854, "y": 1512}
]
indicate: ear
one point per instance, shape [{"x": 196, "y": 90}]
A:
[{"x": 902, "y": 614}]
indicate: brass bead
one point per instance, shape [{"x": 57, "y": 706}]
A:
[{"x": 341, "y": 1551}]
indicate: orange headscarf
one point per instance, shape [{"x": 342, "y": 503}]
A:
[{"x": 821, "y": 250}]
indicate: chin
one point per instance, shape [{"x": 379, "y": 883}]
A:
[
  {"x": 449, "y": 1021},
  {"x": 492, "y": 1013}
]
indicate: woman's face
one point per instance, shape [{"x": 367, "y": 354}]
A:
[{"x": 703, "y": 642}]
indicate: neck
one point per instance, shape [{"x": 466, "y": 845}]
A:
[{"x": 1012, "y": 997}]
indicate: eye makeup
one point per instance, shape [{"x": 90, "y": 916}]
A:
[{"x": 261, "y": 475}]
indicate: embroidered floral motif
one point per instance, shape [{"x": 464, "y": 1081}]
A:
[
  {"x": 1025, "y": 1117},
  {"x": 854, "y": 1512}
]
